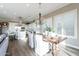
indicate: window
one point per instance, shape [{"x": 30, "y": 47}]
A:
[
  {"x": 58, "y": 24},
  {"x": 47, "y": 23},
  {"x": 66, "y": 23}
]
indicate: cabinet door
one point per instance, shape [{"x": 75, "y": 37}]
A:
[{"x": 41, "y": 46}]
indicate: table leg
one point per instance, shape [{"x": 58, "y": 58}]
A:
[{"x": 55, "y": 49}]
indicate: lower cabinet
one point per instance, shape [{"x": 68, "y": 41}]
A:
[{"x": 41, "y": 47}]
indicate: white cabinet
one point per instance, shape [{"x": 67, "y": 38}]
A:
[
  {"x": 41, "y": 47},
  {"x": 20, "y": 34},
  {"x": 31, "y": 39}
]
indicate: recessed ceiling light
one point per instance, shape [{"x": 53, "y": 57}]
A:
[
  {"x": 27, "y": 4},
  {"x": 1, "y": 6}
]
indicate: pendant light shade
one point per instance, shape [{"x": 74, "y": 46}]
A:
[
  {"x": 40, "y": 18},
  {"x": 40, "y": 23}
]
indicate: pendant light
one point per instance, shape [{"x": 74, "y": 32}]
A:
[
  {"x": 20, "y": 21},
  {"x": 40, "y": 23}
]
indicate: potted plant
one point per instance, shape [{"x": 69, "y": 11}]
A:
[{"x": 49, "y": 30}]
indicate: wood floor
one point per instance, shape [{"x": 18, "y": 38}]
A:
[{"x": 19, "y": 48}]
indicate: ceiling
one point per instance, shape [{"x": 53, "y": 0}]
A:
[{"x": 27, "y": 11}]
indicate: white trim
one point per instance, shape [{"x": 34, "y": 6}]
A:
[
  {"x": 75, "y": 26},
  {"x": 76, "y": 47}
]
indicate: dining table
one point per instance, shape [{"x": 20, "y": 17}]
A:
[{"x": 54, "y": 40}]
